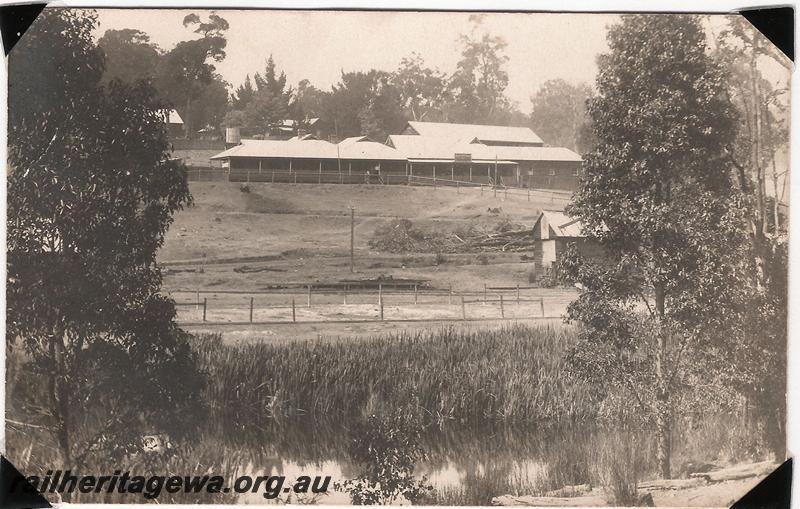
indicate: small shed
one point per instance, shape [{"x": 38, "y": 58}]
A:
[
  {"x": 552, "y": 233},
  {"x": 174, "y": 123}
]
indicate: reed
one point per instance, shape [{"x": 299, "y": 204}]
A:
[{"x": 511, "y": 374}]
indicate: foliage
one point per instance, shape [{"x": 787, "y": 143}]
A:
[
  {"x": 759, "y": 352},
  {"x": 559, "y": 115},
  {"x": 387, "y": 447},
  {"x": 185, "y": 72},
  {"x": 91, "y": 192},
  {"x": 479, "y": 81},
  {"x": 423, "y": 91},
  {"x": 511, "y": 374},
  {"x": 657, "y": 195},
  {"x": 129, "y": 55}
]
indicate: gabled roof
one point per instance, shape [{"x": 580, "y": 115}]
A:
[
  {"x": 424, "y": 147},
  {"x": 172, "y": 117},
  {"x": 560, "y": 224},
  {"x": 312, "y": 149},
  {"x": 361, "y": 147},
  {"x": 537, "y": 154},
  {"x": 491, "y": 133},
  {"x": 429, "y": 148}
]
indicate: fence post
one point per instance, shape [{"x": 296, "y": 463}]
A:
[
  {"x": 273, "y": 177},
  {"x": 529, "y": 194},
  {"x": 205, "y": 306},
  {"x": 481, "y": 189},
  {"x": 309, "y": 296},
  {"x": 294, "y": 316},
  {"x": 248, "y": 176},
  {"x": 502, "y": 309},
  {"x": 450, "y": 295},
  {"x": 463, "y": 309},
  {"x": 251, "y": 309},
  {"x": 415, "y": 294},
  {"x": 381, "y": 299},
  {"x": 380, "y": 293},
  {"x": 541, "y": 305},
  {"x": 295, "y": 177}
]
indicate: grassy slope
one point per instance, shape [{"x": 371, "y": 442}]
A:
[{"x": 274, "y": 218}]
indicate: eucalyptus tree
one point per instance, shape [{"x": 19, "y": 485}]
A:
[
  {"x": 658, "y": 195},
  {"x": 91, "y": 193}
]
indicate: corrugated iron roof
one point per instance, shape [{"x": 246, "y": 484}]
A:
[
  {"x": 561, "y": 224},
  {"x": 537, "y": 154},
  {"x": 172, "y": 117},
  {"x": 312, "y": 149},
  {"x": 424, "y": 147},
  {"x": 494, "y": 133}
]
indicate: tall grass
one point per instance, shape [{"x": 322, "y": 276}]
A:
[{"x": 511, "y": 374}]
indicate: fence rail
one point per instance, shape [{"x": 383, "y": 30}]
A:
[
  {"x": 483, "y": 185},
  {"x": 319, "y": 305}
]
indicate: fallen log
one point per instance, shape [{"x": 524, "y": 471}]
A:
[
  {"x": 570, "y": 491},
  {"x": 671, "y": 484},
  {"x": 737, "y": 472},
  {"x": 585, "y": 501}
]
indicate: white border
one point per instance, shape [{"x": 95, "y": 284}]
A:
[{"x": 699, "y": 6}]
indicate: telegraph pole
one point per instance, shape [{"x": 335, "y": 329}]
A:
[{"x": 352, "y": 235}]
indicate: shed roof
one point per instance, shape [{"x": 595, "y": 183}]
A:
[
  {"x": 172, "y": 117},
  {"x": 537, "y": 154},
  {"x": 313, "y": 149},
  {"x": 424, "y": 147},
  {"x": 494, "y": 133},
  {"x": 561, "y": 224}
]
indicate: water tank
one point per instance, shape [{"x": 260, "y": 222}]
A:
[{"x": 232, "y": 136}]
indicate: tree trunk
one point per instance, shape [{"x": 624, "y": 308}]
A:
[
  {"x": 663, "y": 411},
  {"x": 186, "y": 115},
  {"x": 60, "y": 398},
  {"x": 756, "y": 138},
  {"x": 663, "y": 437}
]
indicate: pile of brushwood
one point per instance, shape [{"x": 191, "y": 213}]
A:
[{"x": 401, "y": 236}]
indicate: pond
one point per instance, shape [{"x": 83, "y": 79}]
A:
[{"x": 466, "y": 465}]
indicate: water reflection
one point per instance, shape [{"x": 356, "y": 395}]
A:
[{"x": 465, "y": 463}]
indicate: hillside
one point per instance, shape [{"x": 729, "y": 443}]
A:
[{"x": 273, "y": 219}]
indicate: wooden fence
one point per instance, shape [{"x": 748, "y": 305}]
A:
[
  {"x": 309, "y": 304},
  {"x": 488, "y": 188}
]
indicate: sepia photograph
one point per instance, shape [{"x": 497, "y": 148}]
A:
[{"x": 346, "y": 257}]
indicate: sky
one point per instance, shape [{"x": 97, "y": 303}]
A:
[{"x": 318, "y": 45}]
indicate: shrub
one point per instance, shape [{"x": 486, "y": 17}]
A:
[
  {"x": 387, "y": 447},
  {"x": 245, "y": 188}
]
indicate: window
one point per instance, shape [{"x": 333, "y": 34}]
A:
[
  {"x": 576, "y": 172},
  {"x": 552, "y": 172}
]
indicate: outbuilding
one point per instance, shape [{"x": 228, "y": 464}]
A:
[{"x": 553, "y": 232}]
